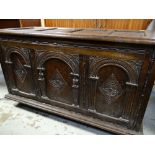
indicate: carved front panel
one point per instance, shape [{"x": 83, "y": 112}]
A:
[
  {"x": 20, "y": 73},
  {"x": 58, "y": 81},
  {"x": 19, "y": 70},
  {"x": 112, "y": 85},
  {"x": 111, "y": 90},
  {"x": 58, "y": 76}
]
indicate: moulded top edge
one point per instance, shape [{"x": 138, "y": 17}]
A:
[{"x": 114, "y": 35}]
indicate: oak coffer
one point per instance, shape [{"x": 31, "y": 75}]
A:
[{"x": 100, "y": 77}]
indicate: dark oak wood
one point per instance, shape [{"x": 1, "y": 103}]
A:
[{"x": 100, "y": 77}]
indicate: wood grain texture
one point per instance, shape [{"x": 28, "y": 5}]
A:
[
  {"x": 70, "y": 23},
  {"x": 131, "y": 24}
]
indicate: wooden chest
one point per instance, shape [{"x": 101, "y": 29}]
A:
[{"x": 100, "y": 77}]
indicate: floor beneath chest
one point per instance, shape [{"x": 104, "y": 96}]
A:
[{"x": 17, "y": 119}]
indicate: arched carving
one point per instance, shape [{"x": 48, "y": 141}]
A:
[
  {"x": 70, "y": 59},
  {"x": 22, "y": 52},
  {"x": 97, "y": 63}
]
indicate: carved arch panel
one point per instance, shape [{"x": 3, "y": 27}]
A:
[
  {"x": 111, "y": 82},
  {"x": 19, "y": 70},
  {"x": 58, "y": 76}
]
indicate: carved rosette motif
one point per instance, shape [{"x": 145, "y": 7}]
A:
[
  {"x": 111, "y": 89},
  {"x": 57, "y": 81}
]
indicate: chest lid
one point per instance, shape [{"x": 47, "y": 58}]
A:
[{"x": 127, "y": 36}]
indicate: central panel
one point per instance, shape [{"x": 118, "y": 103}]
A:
[
  {"x": 58, "y": 81},
  {"x": 58, "y": 76}
]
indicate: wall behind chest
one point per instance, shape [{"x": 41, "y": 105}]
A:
[{"x": 132, "y": 24}]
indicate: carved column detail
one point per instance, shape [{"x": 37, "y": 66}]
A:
[
  {"x": 131, "y": 90},
  {"x": 41, "y": 80},
  {"x": 83, "y": 80},
  {"x": 92, "y": 88},
  {"x": 75, "y": 87}
]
